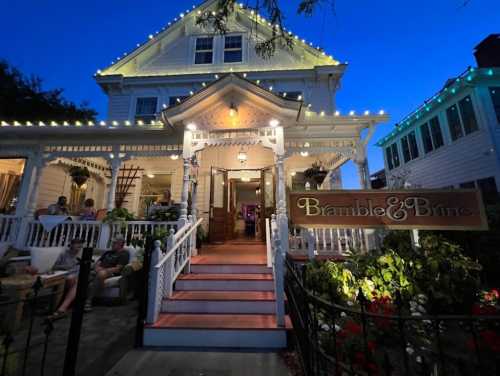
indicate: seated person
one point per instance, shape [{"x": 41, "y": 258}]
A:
[
  {"x": 88, "y": 213},
  {"x": 165, "y": 204},
  {"x": 67, "y": 261},
  {"x": 110, "y": 264},
  {"x": 60, "y": 207}
]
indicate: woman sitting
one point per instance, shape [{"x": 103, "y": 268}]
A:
[{"x": 88, "y": 213}]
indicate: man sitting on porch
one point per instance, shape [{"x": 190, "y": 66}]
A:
[
  {"x": 60, "y": 207},
  {"x": 110, "y": 264}
]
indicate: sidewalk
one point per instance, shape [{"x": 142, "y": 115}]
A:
[{"x": 180, "y": 363}]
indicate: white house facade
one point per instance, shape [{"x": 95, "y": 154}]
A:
[
  {"x": 453, "y": 139},
  {"x": 203, "y": 116}
]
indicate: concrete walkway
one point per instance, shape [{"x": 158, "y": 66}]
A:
[{"x": 181, "y": 363}]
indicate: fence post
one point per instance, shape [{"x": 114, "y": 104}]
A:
[
  {"x": 279, "y": 280},
  {"x": 191, "y": 244},
  {"x": 104, "y": 236},
  {"x": 169, "y": 266},
  {"x": 153, "y": 285},
  {"x": 22, "y": 232},
  {"x": 143, "y": 292},
  {"x": 77, "y": 315},
  {"x": 310, "y": 244}
]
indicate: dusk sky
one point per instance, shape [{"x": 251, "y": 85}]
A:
[{"x": 399, "y": 52}]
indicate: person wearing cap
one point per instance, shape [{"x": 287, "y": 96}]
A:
[{"x": 110, "y": 264}]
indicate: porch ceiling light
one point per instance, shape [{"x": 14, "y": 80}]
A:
[
  {"x": 242, "y": 156},
  {"x": 304, "y": 153},
  {"x": 151, "y": 176},
  {"x": 174, "y": 157},
  {"x": 233, "y": 111},
  {"x": 274, "y": 123},
  {"x": 191, "y": 127}
]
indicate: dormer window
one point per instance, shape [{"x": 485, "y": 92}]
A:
[
  {"x": 233, "y": 51},
  {"x": 204, "y": 50},
  {"x": 145, "y": 109}
]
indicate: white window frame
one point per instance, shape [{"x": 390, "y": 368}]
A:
[
  {"x": 224, "y": 49},
  {"x": 203, "y": 51},
  {"x": 136, "y": 99}
]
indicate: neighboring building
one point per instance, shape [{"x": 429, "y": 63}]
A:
[
  {"x": 378, "y": 180},
  {"x": 453, "y": 139}
]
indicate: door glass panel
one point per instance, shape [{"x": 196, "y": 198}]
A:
[
  {"x": 269, "y": 188},
  {"x": 219, "y": 186}
]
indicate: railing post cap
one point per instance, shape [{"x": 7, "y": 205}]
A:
[{"x": 157, "y": 243}]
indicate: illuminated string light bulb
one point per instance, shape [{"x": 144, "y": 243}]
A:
[{"x": 191, "y": 127}]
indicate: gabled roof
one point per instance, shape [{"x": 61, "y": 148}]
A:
[
  {"x": 241, "y": 89},
  {"x": 156, "y": 39}
]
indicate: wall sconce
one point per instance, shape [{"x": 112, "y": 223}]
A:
[{"x": 233, "y": 111}]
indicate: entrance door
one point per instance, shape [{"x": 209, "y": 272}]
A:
[
  {"x": 267, "y": 197},
  {"x": 218, "y": 205}
]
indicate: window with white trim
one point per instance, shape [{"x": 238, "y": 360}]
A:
[
  {"x": 145, "y": 109},
  {"x": 233, "y": 49},
  {"x": 204, "y": 50},
  {"x": 495, "y": 98}
]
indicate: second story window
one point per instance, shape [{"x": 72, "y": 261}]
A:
[
  {"x": 464, "y": 122},
  {"x": 392, "y": 156},
  {"x": 409, "y": 146},
  {"x": 432, "y": 138},
  {"x": 233, "y": 51},
  {"x": 468, "y": 116},
  {"x": 145, "y": 109},
  {"x": 495, "y": 97},
  {"x": 204, "y": 50}
]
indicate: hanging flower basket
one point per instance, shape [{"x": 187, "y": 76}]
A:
[
  {"x": 79, "y": 175},
  {"x": 316, "y": 173}
]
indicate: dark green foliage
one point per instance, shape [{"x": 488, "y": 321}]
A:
[
  {"x": 23, "y": 99},
  {"x": 79, "y": 171}
]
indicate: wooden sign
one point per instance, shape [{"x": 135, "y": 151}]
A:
[{"x": 423, "y": 209}]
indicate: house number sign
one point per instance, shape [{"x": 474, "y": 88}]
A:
[{"x": 404, "y": 210}]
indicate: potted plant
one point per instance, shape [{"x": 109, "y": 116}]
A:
[
  {"x": 316, "y": 172},
  {"x": 79, "y": 175}
]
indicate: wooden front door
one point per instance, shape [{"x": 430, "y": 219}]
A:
[
  {"x": 218, "y": 205},
  {"x": 267, "y": 197}
]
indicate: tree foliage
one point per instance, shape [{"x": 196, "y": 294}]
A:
[
  {"x": 23, "y": 98},
  {"x": 280, "y": 38}
]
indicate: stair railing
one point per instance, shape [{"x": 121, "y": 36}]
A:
[
  {"x": 278, "y": 264},
  {"x": 168, "y": 265}
]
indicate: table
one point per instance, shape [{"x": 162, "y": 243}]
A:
[
  {"x": 50, "y": 222},
  {"x": 20, "y": 287}
]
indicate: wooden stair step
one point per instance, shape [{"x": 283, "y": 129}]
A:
[
  {"x": 224, "y": 295},
  {"x": 219, "y": 322},
  {"x": 226, "y": 277}
]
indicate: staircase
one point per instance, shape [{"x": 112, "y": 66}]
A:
[{"x": 227, "y": 301}]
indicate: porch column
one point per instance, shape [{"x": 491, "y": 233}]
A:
[
  {"x": 363, "y": 174},
  {"x": 26, "y": 185},
  {"x": 281, "y": 189},
  {"x": 187, "y": 155},
  {"x": 39, "y": 165},
  {"x": 115, "y": 169}
]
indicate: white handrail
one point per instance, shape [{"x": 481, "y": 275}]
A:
[{"x": 179, "y": 242}]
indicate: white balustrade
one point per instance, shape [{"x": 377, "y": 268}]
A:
[
  {"x": 137, "y": 229},
  {"x": 88, "y": 231},
  {"x": 9, "y": 226},
  {"x": 166, "y": 267},
  {"x": 327, "y": 241}
]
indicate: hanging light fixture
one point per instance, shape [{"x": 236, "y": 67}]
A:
[
  {"x": 233, "y": 111},
  {"x": 242, "y": 156}
]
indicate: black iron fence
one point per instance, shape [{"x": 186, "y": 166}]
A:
[
  {"x": 384, "y": 339},
  {"x": 27, "y": 327}
]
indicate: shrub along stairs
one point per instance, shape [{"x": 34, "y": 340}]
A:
[{"x": 226, "y": 301}]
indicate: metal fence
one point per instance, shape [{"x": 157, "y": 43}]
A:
[{"x": 380, "y": 339}]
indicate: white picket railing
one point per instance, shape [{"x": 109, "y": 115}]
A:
[
  {"x": 136, "y": 229},
  {"x": 9, "y": 226},
  {"x": 327, "y": 241},
  {"x": 166, "y": 267},
  {"x": 275, "y": 228},
  {"x": 88, "y": 231}
]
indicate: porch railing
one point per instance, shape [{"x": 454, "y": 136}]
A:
[
  {"x": 326, "y": 241},
  {"x": 277, "y": 255},
  {"x": 168, "y": 263},
  {"x": 136, "y": 229},
  {"x": 9, "y": 226},
  {"x": 88, "y": 231}
]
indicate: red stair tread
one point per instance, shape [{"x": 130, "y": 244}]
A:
[
  {"x": 219, "y": 321},
  {"x": 226, "y": 277},
  {"x": 248, "y": 261},
  {"x": 224, "y": 295}
]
